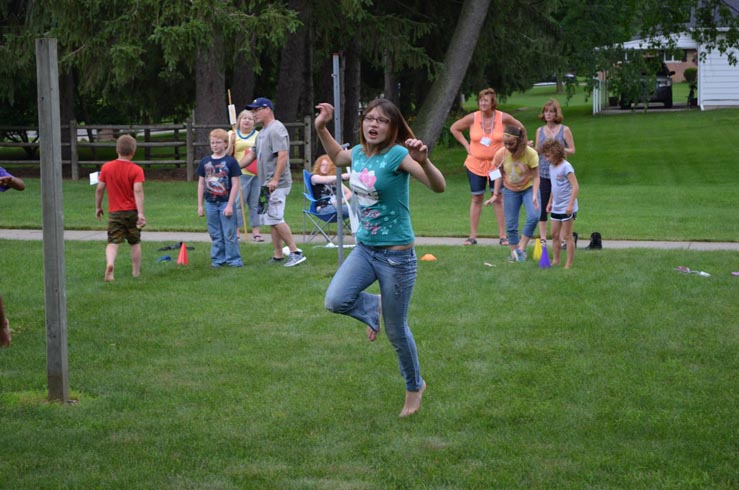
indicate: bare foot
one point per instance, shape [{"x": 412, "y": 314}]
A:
[
  {"x": 555, "y": 262},
  {"x": 371, "y": 333},
  {"x": 5, "y": 334},
  {"x": 412, "y": 401},
  {"x": 109, "y": 274}
]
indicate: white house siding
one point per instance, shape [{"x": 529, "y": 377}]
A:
[{"x": 718, "y": 81}]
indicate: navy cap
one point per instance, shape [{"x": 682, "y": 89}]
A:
[{"x": 261, "y": 102}]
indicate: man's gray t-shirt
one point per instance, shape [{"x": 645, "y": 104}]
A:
[{"x": 270, "y": 140}]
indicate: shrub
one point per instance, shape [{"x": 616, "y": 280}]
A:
[{"x": 691, "y": 75}]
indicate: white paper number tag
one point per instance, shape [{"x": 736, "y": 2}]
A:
[
  {"x": 494, "y": 174},
  {"x": 485, "y": 141}
]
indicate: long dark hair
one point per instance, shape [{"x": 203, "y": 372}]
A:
[{"x": 398, "y": 130}]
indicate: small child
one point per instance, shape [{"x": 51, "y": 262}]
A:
[
  {"x": 124, "y": 181},
  {"x": 562, "y": 204},
  {"x": 218, "y": 186}
]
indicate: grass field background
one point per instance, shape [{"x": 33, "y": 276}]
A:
[
  {"x": 659, "y": 175},
  {"x": 619, "y": 373}
]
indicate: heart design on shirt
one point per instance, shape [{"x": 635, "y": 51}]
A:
[{"x": 368, "y": 178}]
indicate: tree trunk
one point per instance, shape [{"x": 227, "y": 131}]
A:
[
  {"x": 352, "y": 89},
  {"x": 244, "y": 80},
  {"x": 307, "y": 101},
  {"x": 391, "y": 81},
  {"x": 291, "y": 79},
  {"x": 66, "y": 108},
  {"x": 438, "y": 101},
  {"x": 325, "y": 90},
  {"x": 210, "y": 93}
]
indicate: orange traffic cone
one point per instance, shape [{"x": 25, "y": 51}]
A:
[{"x": 182, "y": 258}]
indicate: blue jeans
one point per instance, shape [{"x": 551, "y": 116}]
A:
[
  {"x": 512, "y": 201},
  {"x": 222, "y": 230},
  {"x": 396, "y": 272}
]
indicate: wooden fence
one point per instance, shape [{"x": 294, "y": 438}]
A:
[{"x": 167, "y": 136}]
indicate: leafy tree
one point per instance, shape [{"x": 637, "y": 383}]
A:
[
  {"x": 127, "y": 55},
  {"x": 148, "y": 60},
  {"x": 431, "y": 117}
]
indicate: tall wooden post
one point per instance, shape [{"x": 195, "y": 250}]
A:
[{"x": 47, "y": 75}]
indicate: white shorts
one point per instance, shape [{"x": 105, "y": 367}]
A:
[{"x": 276, "y": 210}]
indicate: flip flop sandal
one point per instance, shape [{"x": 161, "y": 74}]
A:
[
  {"x": 470, "y": 241},
  {"x": 257, "y": 238}
]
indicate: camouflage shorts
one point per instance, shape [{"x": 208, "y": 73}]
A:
[{"x": 122, "y": 226}]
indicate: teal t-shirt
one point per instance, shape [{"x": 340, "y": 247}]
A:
[{"x": 382, "y": 192}]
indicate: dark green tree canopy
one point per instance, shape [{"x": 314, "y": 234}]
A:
[{"x": 134, "y": 61}]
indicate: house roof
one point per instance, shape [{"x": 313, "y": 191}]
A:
[{"x": 683, "y": 40}]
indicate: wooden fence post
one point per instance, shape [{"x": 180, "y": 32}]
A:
[
  {"x": 147, "y": 150},
  {"x": 177, "y": 148},
  {"x": 74, "y": 158},
  {"x": 307, "y": 143},
  {"x": 190, "y": 149}
]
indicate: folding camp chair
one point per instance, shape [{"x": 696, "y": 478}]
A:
[{"x": 321, "y": 221}]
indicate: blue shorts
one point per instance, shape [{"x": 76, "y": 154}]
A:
[{"x": 478, "y": 184}]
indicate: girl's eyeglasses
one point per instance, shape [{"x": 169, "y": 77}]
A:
[{"x": 378, "y": 120}]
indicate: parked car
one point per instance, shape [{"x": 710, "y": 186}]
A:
[
  {"x": 662, "y": 92},
  {"x": 552, "y": 79}
]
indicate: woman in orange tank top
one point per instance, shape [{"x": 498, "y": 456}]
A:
[{"x": 486, "y": 138}]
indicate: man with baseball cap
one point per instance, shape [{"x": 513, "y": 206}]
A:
[
  {"x": 272, "y": 154},
  {"x": 261, "y": 102}
]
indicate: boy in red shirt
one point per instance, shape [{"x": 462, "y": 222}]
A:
[{"x": 125, "y": 183}]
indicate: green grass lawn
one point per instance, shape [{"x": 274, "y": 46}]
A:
[
  {"x": 619, "y": 373},
  {"x": 644, "y": 176}
]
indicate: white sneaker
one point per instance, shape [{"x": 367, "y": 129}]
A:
[
  {"x": 295, "y": 259},
  {"x": 286, "y": 251}
]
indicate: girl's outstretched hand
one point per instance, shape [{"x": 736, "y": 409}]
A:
[
  {"x": 417, "y": 150},
  {"x": 325, "y": 114}
]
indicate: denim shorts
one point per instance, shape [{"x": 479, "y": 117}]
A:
[{"x": 478, "y": 184}]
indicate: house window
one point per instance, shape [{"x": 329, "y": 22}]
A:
[{"x": 675, "y": 56}]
